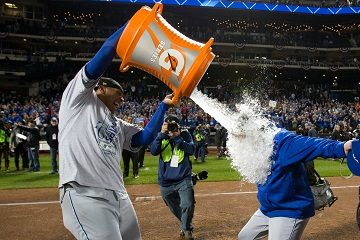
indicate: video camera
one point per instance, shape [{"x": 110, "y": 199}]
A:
[{"x": 199, "y": 176}]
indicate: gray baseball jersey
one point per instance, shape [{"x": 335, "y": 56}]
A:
[{"x": 91, "y": 139}]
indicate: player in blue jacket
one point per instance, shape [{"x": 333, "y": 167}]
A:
[{"x": 286, "y": 200}]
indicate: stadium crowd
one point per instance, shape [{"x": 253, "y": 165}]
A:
[
  {"x": 308, "y": 110},
  {"x": 293, "y": 107}
]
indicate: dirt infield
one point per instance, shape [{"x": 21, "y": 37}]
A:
[{"x": 221, "y": 211}]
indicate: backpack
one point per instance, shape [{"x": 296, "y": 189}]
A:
[{"x": 320, "y": 188}]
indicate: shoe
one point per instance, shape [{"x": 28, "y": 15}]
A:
[
  {"x": 188, "y": 235},
  {"x": 136, "y": 176},
  {"x": 182, "y": 233},
  {"x": 52, "y": 173}
]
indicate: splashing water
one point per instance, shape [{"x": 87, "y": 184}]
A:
[{"x": 250, "y": 135}]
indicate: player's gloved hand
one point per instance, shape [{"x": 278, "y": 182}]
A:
[{"x": 203, "y": 175}]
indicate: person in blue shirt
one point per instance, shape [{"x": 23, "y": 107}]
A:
[
  {"x": 174, "y": 172},
  {"x": 286, "y": 200}
]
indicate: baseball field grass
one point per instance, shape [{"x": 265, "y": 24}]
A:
[{"x": 218, "y": 169}]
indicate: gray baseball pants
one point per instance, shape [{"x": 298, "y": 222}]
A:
[
  {"x": 94, "y": 213},
  {"x": 277, "y": 228}
]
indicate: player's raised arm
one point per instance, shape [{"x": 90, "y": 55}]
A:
[{"x": 148, "y": 134}]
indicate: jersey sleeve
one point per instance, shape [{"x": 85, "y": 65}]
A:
[
  {"x": 295, "y": 148},
  {"x": 78, "y": 90}
]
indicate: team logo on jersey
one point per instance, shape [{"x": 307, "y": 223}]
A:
[{"x": 107, "y": 135}]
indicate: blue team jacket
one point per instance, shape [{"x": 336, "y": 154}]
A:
[
  {"x": 286, "y": 192},
  {"x": 167, "y": 175}
]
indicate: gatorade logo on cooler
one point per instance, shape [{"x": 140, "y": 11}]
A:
[{"x": 172, "y": 60}]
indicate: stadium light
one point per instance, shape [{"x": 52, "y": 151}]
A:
[{"x": 11, "y": 5}]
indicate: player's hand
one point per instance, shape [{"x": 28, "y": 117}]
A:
[
  {"x": 168, "y": 100},
  {"x": 347, "y": 147},
  {"x": 164, "y": 128}
]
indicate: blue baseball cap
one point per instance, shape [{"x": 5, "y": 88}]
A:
[
  {"x": 353, "y": 158},
  {"x": 9, "y": 121}
]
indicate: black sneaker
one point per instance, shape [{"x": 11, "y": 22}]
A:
[{"x": 188, "y": 235}]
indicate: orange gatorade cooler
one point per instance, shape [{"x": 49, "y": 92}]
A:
[{"x": 150, "y": 43}]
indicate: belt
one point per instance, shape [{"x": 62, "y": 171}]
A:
[{"x": 67, "y": 186}]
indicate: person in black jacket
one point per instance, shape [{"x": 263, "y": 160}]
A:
[
  {"x": 127, "y": 155},
  {"x": 218, "y": 140},
  {"x": 5, "y": 128},
  {"x": 18, "y": 143},
  {"x": 33, "y": 144},
  {"x": 52, "y": 139},
  {"x": 338, "y": 133},
  {"x": 224, "y": 136}
]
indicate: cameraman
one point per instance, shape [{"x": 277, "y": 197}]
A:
[
  {"x": 174, "y": 172},
  {"x": 200, "y": 143}
]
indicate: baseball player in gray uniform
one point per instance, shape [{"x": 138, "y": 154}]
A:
[{"x": 94, "y": 201}]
